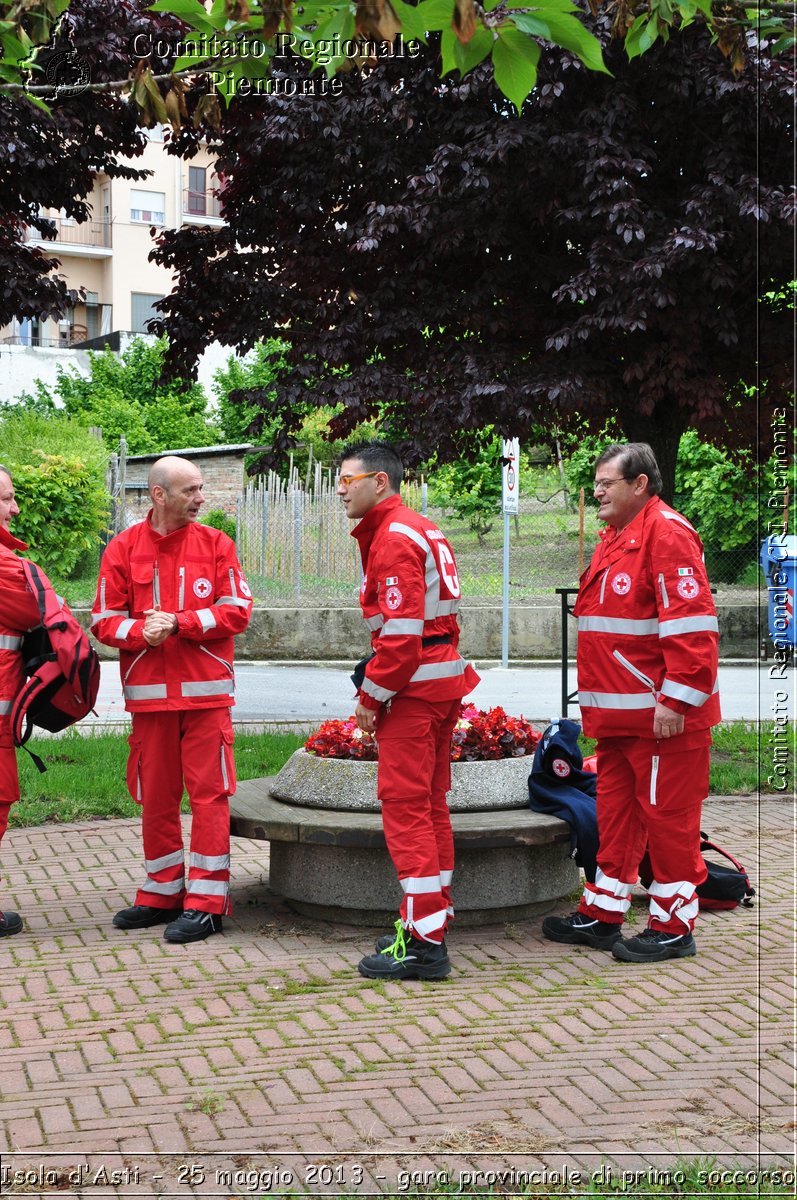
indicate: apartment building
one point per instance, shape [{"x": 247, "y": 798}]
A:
[{"x": 105, "y": 260}]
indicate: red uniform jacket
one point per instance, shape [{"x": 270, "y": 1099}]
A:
[
  {"x": 410, "y": 593},
  {"x": 647, "y": 628},
  {"x": 194, "y": 573},
  {"x": 19, "y": 612}
]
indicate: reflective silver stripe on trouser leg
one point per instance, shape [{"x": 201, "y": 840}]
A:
[{"x": 168, "y": 887}]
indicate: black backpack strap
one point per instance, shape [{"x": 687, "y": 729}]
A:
[{"x": 37, "y": 587}]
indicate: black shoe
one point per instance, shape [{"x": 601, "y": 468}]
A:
[
  {"x": 581, "y": 930},
  {"x": 192, "y": 926},
  {"x": 10, "y": 923},
  {"x": 407, "y": 957},
  {"x": 387, "y": 940},
  {"x": 140, "y": 916},
  {"x": 654, "y": 945}
]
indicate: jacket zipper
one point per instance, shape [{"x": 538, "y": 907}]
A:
[
  {"x": 156, "y": 585},
  {"x": 603, "y": 584},
  {"x": 665, "y": 599},
  {"x": 223, "y": 661},
  {"x": 139, "y": 656},
  {"x": 181, "y": 591},
  {"x": 634, "y": 671}
]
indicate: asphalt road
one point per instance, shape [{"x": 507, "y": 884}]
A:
[{"x": 311, "y": 692}]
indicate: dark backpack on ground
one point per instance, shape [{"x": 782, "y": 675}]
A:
[
  {"x": 723, "y": 888},
  {"x": 61, "y": 664}
]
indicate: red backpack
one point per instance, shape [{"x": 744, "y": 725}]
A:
[{"x": 61, "y": 664}]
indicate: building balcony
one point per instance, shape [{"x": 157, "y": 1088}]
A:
[
  {"x": 201, "y": 206},
  {"x": 87, "y": 238}
]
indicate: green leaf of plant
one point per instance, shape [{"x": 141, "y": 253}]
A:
[
  {"x": 448, "y": 44},
  {"x": 515, "y": 58},
  {"x": 412, "y": 25},
  {"x": 640, "y": 37},
  {"x": 567, "y": 31},
  {"x": 190, "y": 11},
  {"x": 475, "y": 51},
  {"x": 334, "y": 31},
  {"x": 435, "y": 14}
]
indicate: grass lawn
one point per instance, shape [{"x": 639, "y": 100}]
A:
[{"x": 85, "y": 776}]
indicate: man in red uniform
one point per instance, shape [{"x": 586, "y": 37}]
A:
[
  {"x": 647, "y": 676},
  {"x": 19, "y": 612},
  {"x": 410, "y": 698},
  {"x": 171, "y": 596}
]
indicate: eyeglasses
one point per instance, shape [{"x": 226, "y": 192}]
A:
[
  {"x": 603, "y": 485},
  {"x": 347, "y": 479}
]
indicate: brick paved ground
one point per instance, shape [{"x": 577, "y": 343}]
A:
[{"x": 203, "y": 1069}]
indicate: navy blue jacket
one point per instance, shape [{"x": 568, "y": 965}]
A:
[{"x": 559, "y": 787}]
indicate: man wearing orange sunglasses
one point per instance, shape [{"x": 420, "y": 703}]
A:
[{"x": 409, "y": 697}]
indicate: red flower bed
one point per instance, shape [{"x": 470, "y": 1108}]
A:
[{"x": 480, "y": 735}]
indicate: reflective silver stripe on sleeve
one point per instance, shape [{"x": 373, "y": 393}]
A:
[
  {"x": 616, "y": 700},
  {"x": 108, "y": 612},
  {"x": 233, "y": 600},
  {"x": 154, "y": 865},
  {"x": 123, "y": 628},
  {"x": 207, "y": 618},
  {"x": 432, "y": 602},
  {"x": 145, "y": 691},
  {"x": 10, "y": 643},
  {"x": 446, "y": 608},
  {"x": 209, "y": 862},
  {"x": 5, "y": 706},
  {"x": 672, "y": 516},
  {"x": 679, "y": 691},
  {"x": 402, "y": 626},
  {"x": 233, "y": 588},
  {"x": 379, "y": 693},
  {"x": 441, "y": 670},
  {"x": 374, "y": 622},
  {"x": 618, "y": 625},
  {"x": 208, "y": 887},
  {"x": 688, "y": 625},
  {"x": 170, "y": 888},
  {"x": 412, "y": 534},
  {"x": 208, "y": 687}
]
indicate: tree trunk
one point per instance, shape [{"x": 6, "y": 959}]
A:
[{"x": 662, "y": 430}]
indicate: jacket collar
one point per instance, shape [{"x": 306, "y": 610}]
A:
[
  {"x": 615, "y": 542},
  {"x": 166, "y": 539},
  {"x": 365, "y": 530},
  {"x": 8, "y": 540}
]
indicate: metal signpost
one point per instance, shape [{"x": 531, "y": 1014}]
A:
[{"x": 509, "y": 507}]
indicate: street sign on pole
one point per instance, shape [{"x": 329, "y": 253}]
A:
[{"x": 510, "y": 476}]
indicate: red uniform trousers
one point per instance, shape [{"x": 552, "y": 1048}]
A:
[
  {"x": 650, "y": 796},
  {"x": 167, "y": 748},
  {"x": 9, "y": 780},
  {"x": 414, "y": 776}
]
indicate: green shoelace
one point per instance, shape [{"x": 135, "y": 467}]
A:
[{"x": 397, "y": 948}]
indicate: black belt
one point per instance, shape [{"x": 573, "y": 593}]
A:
[{"x": 437, "y": 639}]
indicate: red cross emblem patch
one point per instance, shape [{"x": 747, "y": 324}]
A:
[
  {"x": 621, "y": 584},
  {"x": 688, "y": 587}
]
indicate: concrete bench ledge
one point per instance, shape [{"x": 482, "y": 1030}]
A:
[
  {"x": 334, "y": 866},
  {"x": 255, "y": 813}
]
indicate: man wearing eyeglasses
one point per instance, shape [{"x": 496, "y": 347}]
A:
[
  {"x": 409, "y": 697},
  {"x": 647, "y": 676}
]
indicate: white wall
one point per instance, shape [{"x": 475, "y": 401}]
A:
[{"x": 21, "y": 366}]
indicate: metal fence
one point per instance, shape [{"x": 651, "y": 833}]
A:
[{"x": 294, "y": 541}]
